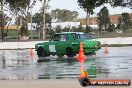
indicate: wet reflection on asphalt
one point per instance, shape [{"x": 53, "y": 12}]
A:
[{"x": 21, "y": 65}]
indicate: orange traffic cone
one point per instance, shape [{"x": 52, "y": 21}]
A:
[
  {"x": 31, "y": 52},
  {"x": 81, "y": 59},
  {"x": 106, "y": 49},
  {"x": 81, "y": 56}
]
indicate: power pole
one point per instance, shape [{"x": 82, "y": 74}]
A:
[{"x": 44, "y": 8}]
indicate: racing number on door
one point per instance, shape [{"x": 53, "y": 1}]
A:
[{"x": 52, "y": 48}]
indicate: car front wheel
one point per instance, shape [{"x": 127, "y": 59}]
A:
[{"x": 40, "y": 52}]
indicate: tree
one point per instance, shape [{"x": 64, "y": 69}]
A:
[
  {"x": 23, "y": 31},
  {"x": 117, "y": 2},
  {"x": 20, "y": 8},
  {"x": 89, "y": 6},
  {"x": 4, "y": 19},
  {"x": 111, "y": 28},
  {"x": 58, "y": 29},
  {"x": 66, "y": 29},
  {"x": 64, "y": 15},
  {"x": 103, "y": 19},
  {"x": 38, "y": 18},
  {"x": 124, "y": 22},
  {"x": 80, "y": 28},
  {"x": 2, "y": 26},
  {"x": 89, "y": 29},
  {"x": 73, "y": 28},
  {"x": 123, "y": 3},
  {"x": 45, "y": 6}
]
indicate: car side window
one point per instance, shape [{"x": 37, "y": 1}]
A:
[
  {"x": 82, "y": 36},
  {"x": 63, "y": 37},
  {"x": 60, "y": 37},
  {"x": 89, "y": 36},
  {"x": 56, "y": 38},
  {"x": 75, "y": 36}
]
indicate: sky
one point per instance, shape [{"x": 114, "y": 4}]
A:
[{"x": 73, "y": 6}]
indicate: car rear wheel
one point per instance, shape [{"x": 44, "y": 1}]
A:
[
  {"x": 70, "y": 52},
  {"x": 40, "y": 52}
]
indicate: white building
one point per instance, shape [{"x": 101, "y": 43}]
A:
[
  {"x": 65, "y": 24},
  {"x": 32, "y": 27}
]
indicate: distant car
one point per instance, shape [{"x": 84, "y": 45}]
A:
[{"x": 67, "y": 43}]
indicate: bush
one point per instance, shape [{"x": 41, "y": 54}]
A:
[
  {"x": 66, "y": 29},
  {"x": 80, "y": 28},
  {"x": 111, "y": 28},
  {"x": 88, "y": 29},
  {"x": 23, "y": 31},
  {"x": 58, "y": 29}
]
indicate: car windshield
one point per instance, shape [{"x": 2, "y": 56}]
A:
[{"x": 83, "y": 36}]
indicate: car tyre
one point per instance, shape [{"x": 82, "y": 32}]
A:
[
  {"x": 40, "y": 52},
  {"x": 70, "y": 52}
]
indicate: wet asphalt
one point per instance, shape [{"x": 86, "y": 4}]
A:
[{"x": 22, "y": 65}]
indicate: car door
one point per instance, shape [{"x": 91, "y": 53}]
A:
[
  {"x": 52, "y": 44},
  {"x": 62, "y": 44}
]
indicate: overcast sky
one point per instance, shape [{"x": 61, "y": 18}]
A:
[{"x": 73, "y": 5}]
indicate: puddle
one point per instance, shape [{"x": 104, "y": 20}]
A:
[{"x": 20, "y": 65}]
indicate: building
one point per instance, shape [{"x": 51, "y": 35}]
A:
[
  {"x": 93, "y": 20},
  {"x": 32, "y": 26},
  {"x": 10, "y": 27},
  {"x": 14, "y": 27},
  {"x": 65, "y": 24}
]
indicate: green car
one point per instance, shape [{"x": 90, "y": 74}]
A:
[{"x": 67, "y": 43}]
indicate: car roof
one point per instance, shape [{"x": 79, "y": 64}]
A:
[{"x": 70, "y": 32}]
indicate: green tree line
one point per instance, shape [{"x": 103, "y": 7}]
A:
[{"x": 20, "y": 8}]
